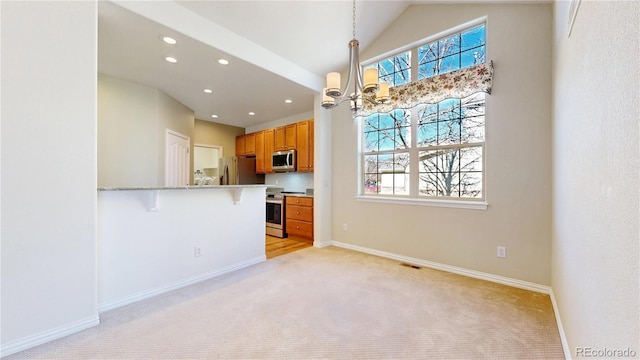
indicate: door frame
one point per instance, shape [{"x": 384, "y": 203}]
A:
[{"x": 219, "y": 147}]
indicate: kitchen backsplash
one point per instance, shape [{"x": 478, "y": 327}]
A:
[{"x": 291, "y": 181}]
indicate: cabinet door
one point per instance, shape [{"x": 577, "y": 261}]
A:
[
  {"x": 240, "y": 144},
  {"x": 280, "y": 138},
  {"x": 290, "y": 136},
  {"x": 250, "y": 144},
  {"x": 269, "y": 148},
  {"x": 302, "y": 130},
  {"x": 260, "y": 153}
]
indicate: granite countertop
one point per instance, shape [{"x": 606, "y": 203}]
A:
[
  {"x": 299, "y": 195},
  {"x": 182, "y": 187}
]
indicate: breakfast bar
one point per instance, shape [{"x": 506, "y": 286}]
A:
[{"x": 155, "y": 239}]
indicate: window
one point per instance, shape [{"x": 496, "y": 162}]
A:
[{"x": 431, "y": 150}]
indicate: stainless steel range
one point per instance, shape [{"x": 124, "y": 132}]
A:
[
  {"x": 275, "y": 215},
  {"x": 276, "y": 212}
]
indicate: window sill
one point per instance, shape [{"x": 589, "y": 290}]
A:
[{"x": 459, "y": 204}]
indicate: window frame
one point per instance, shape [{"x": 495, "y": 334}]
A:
[{"x": 414, "y": 198}]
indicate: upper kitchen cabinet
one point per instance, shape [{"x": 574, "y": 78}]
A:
[
  {"x": 250, "y": 144},
  {"x": 304, "y": 145},
  {"x": 286, "y": 137},
  {"x": 241, "y": 141},
  {"x": 269, "y": 148},
  {"x": 264, "y": 148},
  {"x": 246, "y": 145}
]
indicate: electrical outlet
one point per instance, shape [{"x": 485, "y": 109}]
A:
[
  {"x": 197, "y": 251},
  {"x": 502, "y": 252},
  {"x": 345, "y": 227}
]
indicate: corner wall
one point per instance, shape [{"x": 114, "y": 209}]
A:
[
  {"x": 48, "y": 230},
  {"x": 132, "y": 119},
  {"x": 518, "y": 155},
  {"x": 596, "y": 209}
]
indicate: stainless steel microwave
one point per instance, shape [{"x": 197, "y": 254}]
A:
[{"x": 283, "y": 161}]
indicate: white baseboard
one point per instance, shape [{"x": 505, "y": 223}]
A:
[
  {"x": 452, "y": 269},
  {"x": 321, "y": 244},
  {"x": 110, "y": 305},
  {"x": 563, "y": 337},
  {"x": 49, "y": 335}
]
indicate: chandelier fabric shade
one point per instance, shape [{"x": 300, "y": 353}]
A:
[
  {"x": 455, "y": 84},
  {"x": 366, "y": 87}
]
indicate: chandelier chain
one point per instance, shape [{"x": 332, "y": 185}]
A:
[{"x": 354, "y": 19}]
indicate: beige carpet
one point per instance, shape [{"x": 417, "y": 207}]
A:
[{"x": 326, "y": 303}]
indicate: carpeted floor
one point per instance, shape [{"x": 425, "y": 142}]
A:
[{"x": 326, "y": 303}]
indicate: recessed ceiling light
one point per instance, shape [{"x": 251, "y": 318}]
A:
[
  {"x": 223, "y": 62},
  {"x": 169, "y": 40},
  {"x": 208, "y": 91},
  {"x": 252, "y": 113},
  {"x": 288, "y": 101},
  {"x": 171, "y": 59},
  {"x": 214, "y": 116}
]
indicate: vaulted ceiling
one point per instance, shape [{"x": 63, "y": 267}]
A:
[{"x": 277, "y": 50}]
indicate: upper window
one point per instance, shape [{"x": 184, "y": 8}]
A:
[{"x": 433, "y": 150}]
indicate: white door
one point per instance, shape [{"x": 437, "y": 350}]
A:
[{"x": 176, "y": 159}]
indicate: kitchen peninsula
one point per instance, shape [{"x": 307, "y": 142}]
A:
[{"x": 155, "y": 239}]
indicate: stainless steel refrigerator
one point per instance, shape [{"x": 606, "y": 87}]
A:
[{"x": 238, "y": 170}]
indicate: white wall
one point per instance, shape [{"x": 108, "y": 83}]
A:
[
  {"x": 127, "y": 116},
  {"x": 142, "y": 253},
  {"x": 48, "y": 190},
  {"x": 132, "y": 119},
  {"x": 518, "y": 154},
  {"x": 596, "y": 213}
]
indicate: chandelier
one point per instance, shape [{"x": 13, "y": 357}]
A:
[{"x": 365, "y": 88}]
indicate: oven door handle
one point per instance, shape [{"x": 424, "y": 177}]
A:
[{"x": 274, "y": 201}]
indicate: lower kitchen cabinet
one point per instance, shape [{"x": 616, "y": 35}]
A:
[{"x": 299, "y": 216}]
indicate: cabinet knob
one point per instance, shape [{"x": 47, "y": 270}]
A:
[
  {"x": 298, "y": 227},
  {"x": 297, "y": 212}
]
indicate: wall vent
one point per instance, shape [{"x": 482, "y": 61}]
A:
[{"x": 410, "y": 266}]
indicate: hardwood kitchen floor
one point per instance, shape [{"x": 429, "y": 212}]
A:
[{"x": 276, "y": 246}]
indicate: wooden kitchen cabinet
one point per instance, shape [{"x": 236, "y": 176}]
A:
[
  {"x": 240, "y": 145},
  {"x": 269, "y": 148},
  {"x": 246, "y": 145},
  {"x": 260, "y": 153},
  {"x": 299, "y": 216},
  {"x": 264, "y": 141},
  {"x": 285, "y": 137},
  {"x": 304, "y": 145},
  {"x": 250, "y": 144}
]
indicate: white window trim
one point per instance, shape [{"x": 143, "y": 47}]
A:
[
  {"x": 458, "y": 204},
  {"x": 440, "y": 35}
]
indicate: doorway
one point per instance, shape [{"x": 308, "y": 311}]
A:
[{"x": 206, "y": 159}]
